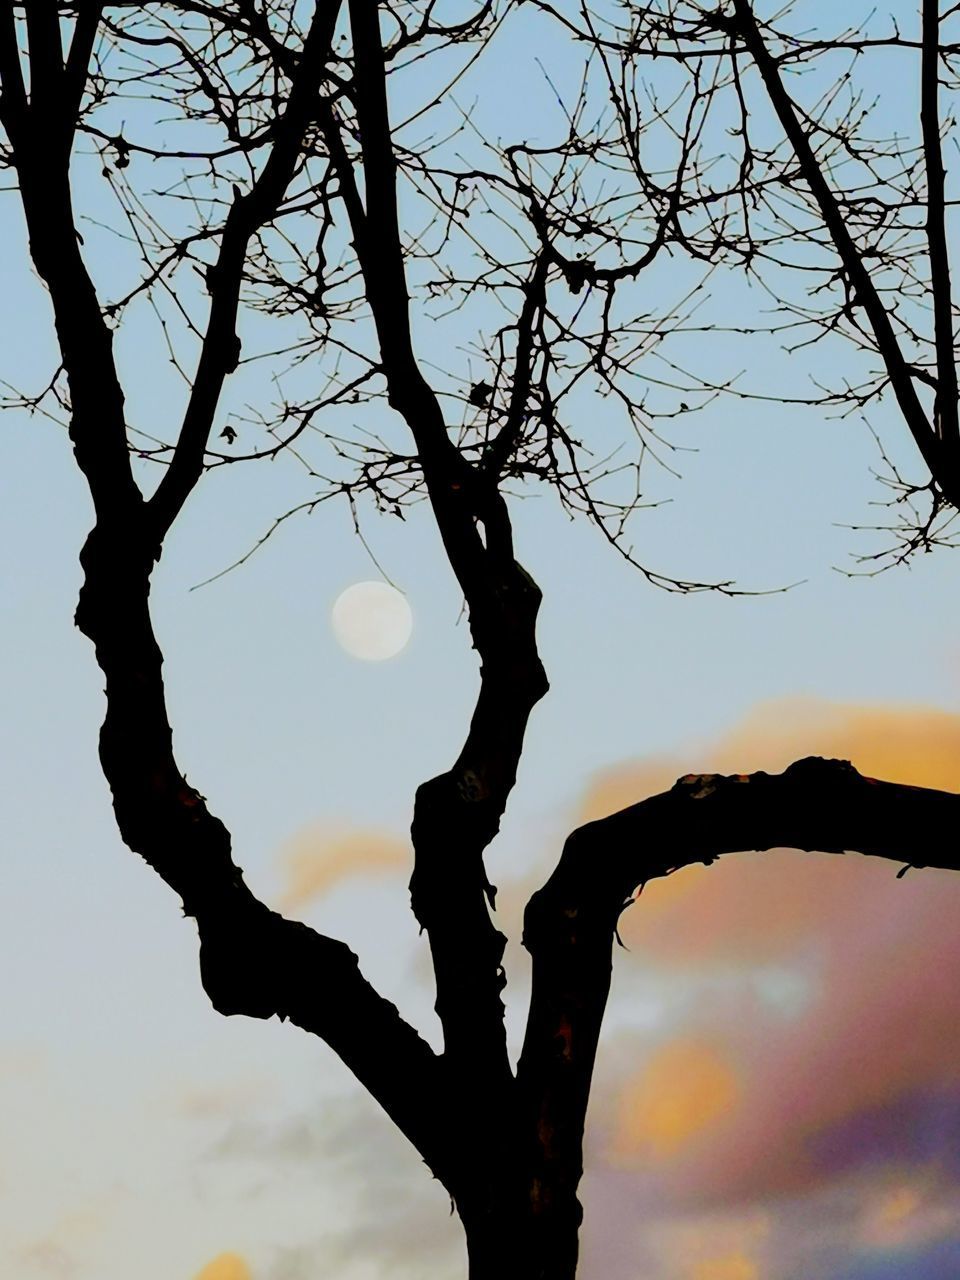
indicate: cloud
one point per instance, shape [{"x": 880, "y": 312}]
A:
[
  {"x": 320, "y": 858},
  {"x": 806, "y": 1062},
  {"x": 64, "y": 1248},
  {"x": 910, "y": 744},
  {"x": 940, "y": 1261},
  {"x": 731, "y": 1266},
  {"x": 840, "y": 1230},
  {"x": 222, "y": 1099},
  {"x": 49, "y": 1256},
  {"x": 907, "y": 1213},
  {"x": 758, "y": 906},
  {"x": 226, "y": 1266},
  {"x": 915, "y": 745},
  {"x": 397, "y": 1216},
  {"x": 298, "y": 1263},
  {"x": 686, "y": 1089},
  {"x": 731, "y": 1247},
  {"x": 297, "y": 1140},
  {"x": 794, "y": 1107}
]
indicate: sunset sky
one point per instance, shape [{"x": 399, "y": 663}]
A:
[{"x": 778, "y": 1091}]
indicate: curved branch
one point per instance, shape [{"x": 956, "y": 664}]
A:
[
  {"x": 569, "y": 924},
  {"x": 825, "y": 805}
]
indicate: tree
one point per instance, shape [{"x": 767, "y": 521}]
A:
[{"x": 287, "y": 201}]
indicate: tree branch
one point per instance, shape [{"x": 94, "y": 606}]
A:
[
  {"x": 82, "y": 44},
  {"x": 942, "y": 464},
  {"x": 504, "y": 444},
  {"x": 13, "y": 99},
  {"x": 458, "y": 813},
  {"x": 46, "y": 52},
  {"x": 569, "y": 924},
  {"x": 252, "y": 961},
  {"x": 249, "y": 212},
  {"x": 41, "y": 155},
  {"x": 946, "y": 421}
]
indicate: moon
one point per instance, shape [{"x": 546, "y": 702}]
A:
[{"x": 372, "y": 621}]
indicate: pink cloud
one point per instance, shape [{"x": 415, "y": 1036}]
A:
[{"x": 838, "y": 1080}]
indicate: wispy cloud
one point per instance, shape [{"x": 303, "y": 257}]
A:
[
  {"x": 400, "y": 1217},
  {"x": 320, "y": 858}
]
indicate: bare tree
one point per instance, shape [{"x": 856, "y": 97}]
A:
[{"x": 284, "y": 201}]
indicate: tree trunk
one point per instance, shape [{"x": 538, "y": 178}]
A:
[
  {"x": 498, "y": 1248},
  {"x": 516, "y": 1243}
]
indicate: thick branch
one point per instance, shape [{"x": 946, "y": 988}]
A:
[
  {"x": 252, "y": 960},
  {"x": 13, "y": 99},
  {"x": 86, "y": 26},
  {"x": 381, "y": 255},
  {"x": 569, "y": 924},
  {"x": 458, "y": 813},
  {"x": 46, "y": 51}
]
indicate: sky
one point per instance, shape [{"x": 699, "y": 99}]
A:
[{"x": 778, "y": 1089}]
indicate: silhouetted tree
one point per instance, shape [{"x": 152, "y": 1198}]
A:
[{"x": 284, "y": 199}]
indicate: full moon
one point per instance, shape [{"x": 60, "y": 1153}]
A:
[{"x": 372, "y": 621}]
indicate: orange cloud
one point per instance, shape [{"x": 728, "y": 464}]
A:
[
  {"x": 878, "y": 960},
  {"x": 757, "y": 906},
  {"x": 733, "y": 1266},
  {"x": 685, "y": 1090},
  {"x": 906, "y": 1214},
  {"x": 320, "y": 858},
  {"x": 724, "y": 1247},
  {"x": 226, "y": 1266},
  {"x": 916, "y": 745},
  {"x": 622, "y": 785}
]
